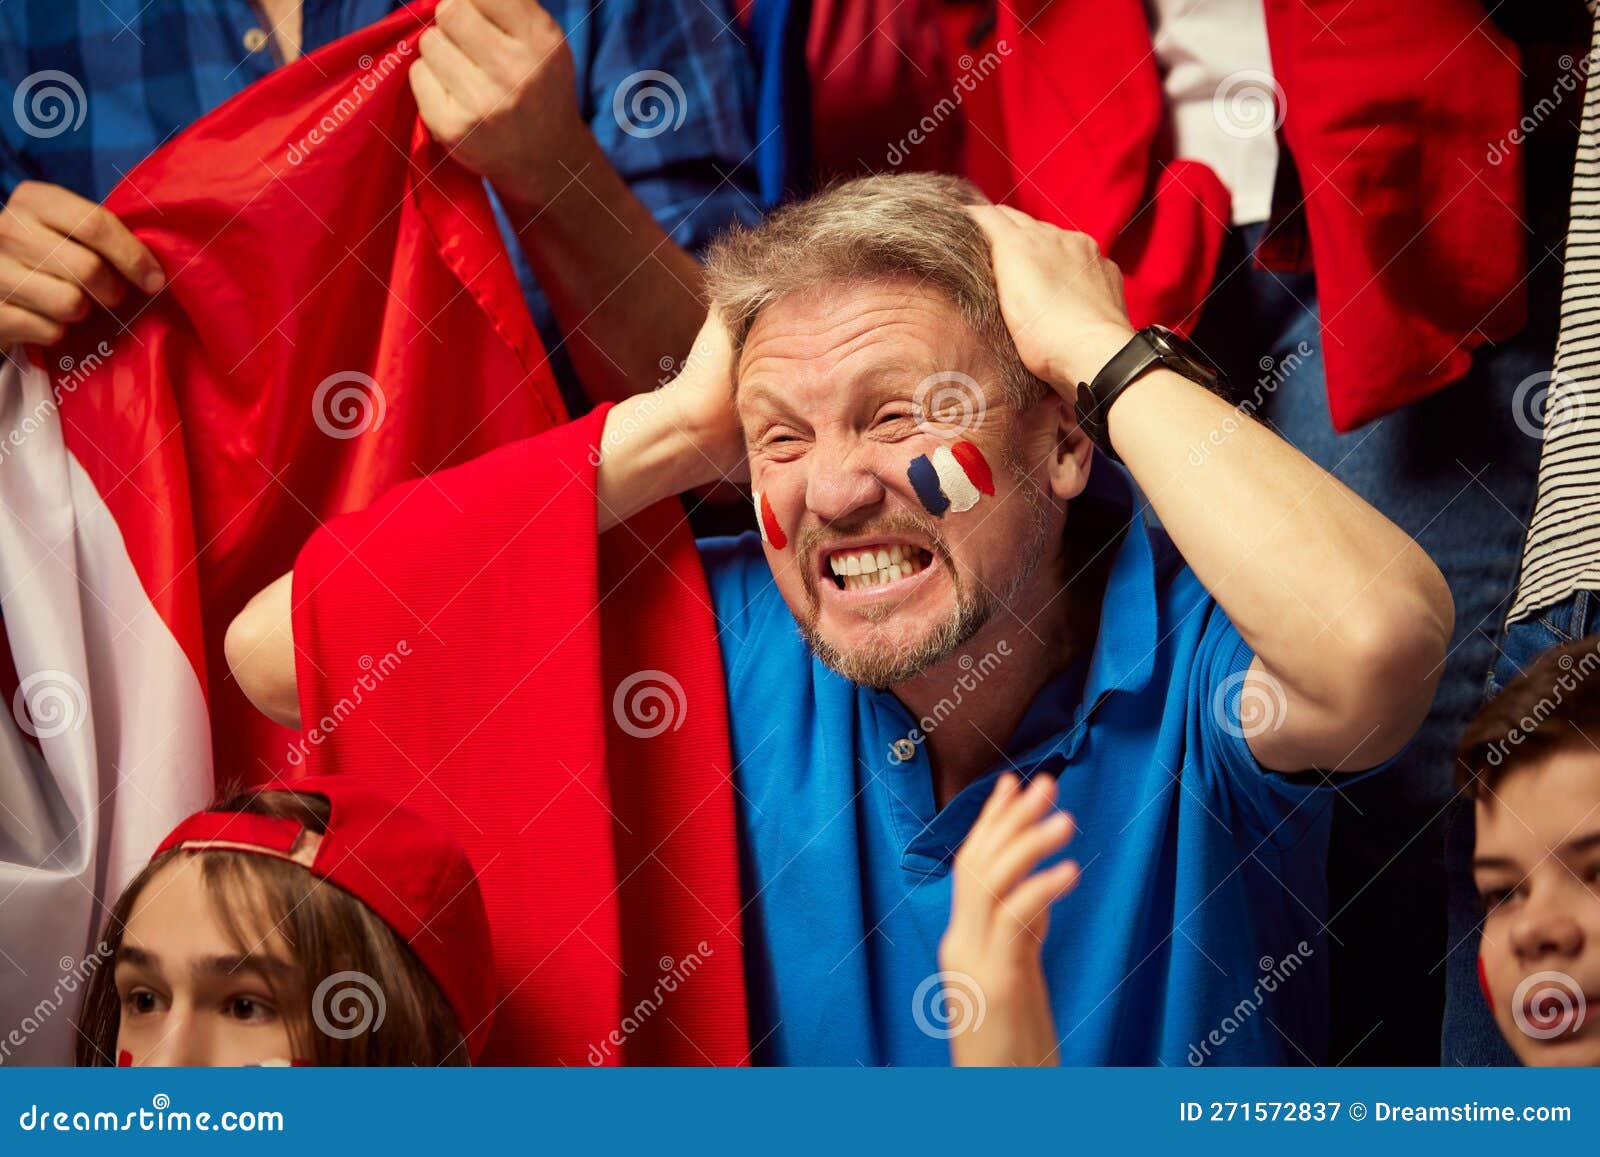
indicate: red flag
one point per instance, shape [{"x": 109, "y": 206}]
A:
[
  {"x": 556, "y": 699},
  {"x": 341, "y": 316}
]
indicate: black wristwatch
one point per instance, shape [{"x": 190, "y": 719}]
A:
[{"x": 1152, "y": 346}]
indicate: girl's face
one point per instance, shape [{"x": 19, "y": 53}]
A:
[{"x": 189, "y": 994}]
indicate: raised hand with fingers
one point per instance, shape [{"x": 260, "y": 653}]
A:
[
  {"x": 999, "y": 916},
  {"x": 61, "y": 255}
]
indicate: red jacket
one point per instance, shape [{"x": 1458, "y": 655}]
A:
[{"x": 1389, "y": 115}]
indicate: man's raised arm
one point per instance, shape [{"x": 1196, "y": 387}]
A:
[
  {"x": 1349, "y": 618},
  {"x": 654, "y": 445}
]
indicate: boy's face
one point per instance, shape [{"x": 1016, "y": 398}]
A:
[
  {"x": 189, "y": 995},
  {"x": 1537, "y": 868}
]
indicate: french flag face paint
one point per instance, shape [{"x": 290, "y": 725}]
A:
[
  {"x": 1483, "y": 984},
  {"x": 951, "y": 478},
  {"x": 771, "y": 533}
]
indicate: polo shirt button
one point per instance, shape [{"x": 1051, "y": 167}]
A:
[
  {"x": 255, "y": 40},
  {"x": 903, "y": 749}
]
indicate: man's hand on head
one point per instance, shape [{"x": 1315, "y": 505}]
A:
[
  {"x": 495, "y": 85},
  {"x": 680, "y": 436},
  {"x": 705, "y": 401},
  {"x": 1062, "y": 301}
]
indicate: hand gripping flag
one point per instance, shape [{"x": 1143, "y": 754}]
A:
[{"x": 340, "y": 316}]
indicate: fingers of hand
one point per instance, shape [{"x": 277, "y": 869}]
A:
[
  {"x": 467, "y": 84},
  {"x": 446, "y": 119},
  {"x": 1027, "y": 908},
  {"x": 96, "y": 228},
  {"x": 1017, "y": 812},
  {"x": 37, "y": 291},
  {"x": 524, "y": 19},
  {"x": 1005, "y": 789},
  {"x": 486, "y": 45},
  {"x": 1006, "y": 841},
  {"x": 39, "y": 218},
  {"x": 1023, "y": 852},
  {"x": 22, "y": 325}
]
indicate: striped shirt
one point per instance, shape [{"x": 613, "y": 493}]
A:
[{"x": 1562, "y": 555}]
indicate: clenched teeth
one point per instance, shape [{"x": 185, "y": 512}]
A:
[{"x": 876, "y": 566}]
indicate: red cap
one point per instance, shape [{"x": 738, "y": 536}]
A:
[{"x": 407, "y": 870}]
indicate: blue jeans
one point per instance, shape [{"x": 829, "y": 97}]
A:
[
  {"x": 1471, "y": 1036},
  {"x": 1456, "y": 473}
]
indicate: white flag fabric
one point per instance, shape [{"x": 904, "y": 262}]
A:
[{"x": 104, "y": 746}]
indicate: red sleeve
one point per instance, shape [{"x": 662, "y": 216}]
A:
[{"x": 470, "y": 645}]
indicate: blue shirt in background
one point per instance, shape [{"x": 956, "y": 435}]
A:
[
  {"x": 146, "y": 69},
  {"x": 1196, "y": 932}
]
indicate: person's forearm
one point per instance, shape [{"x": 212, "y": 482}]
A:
[
  {"x": 1338, "y": 603},
  {"x": 628, "y": 299},
  {"x": 649, "y": 450}
]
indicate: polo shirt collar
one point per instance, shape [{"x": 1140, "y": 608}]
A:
[
  {"x": 1123, "y": 660},
  {"x": 1124, "y": 653},
  {"x": 1125, "y": 646}
]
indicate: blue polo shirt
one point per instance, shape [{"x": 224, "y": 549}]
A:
[{"x": 1196, "y": 933}]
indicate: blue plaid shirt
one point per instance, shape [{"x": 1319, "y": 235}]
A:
[{"x": 131, "y": 73}]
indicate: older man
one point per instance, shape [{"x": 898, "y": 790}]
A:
[{"x": 947, "y": 585}]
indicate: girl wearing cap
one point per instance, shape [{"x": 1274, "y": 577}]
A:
[{"x": 311, "y": 924}]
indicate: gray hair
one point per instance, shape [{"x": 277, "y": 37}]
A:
[{"x": 872, "y": 229}]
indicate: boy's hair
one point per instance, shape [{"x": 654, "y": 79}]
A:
[
  {"x": 1554, "y": 703},
  {"x": 328, "y": 930}
]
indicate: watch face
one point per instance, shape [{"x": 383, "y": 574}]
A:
[{"x": 1176, "y": 346}]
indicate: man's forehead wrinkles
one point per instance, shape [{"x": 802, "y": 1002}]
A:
[
  {"x": 882, "y": 348},
  {"x": 843, "y": 338}
]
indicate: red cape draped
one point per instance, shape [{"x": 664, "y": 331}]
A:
[{"x": 555, "y": 698}]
